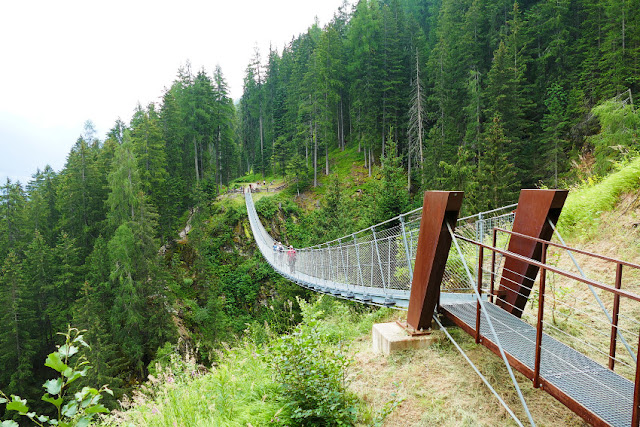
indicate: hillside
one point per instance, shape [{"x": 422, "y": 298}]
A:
[
  {"x": 358, "y": 118},
  {"x": 434, "y": 386}
]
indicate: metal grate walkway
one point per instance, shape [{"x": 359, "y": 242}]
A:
[{"x": 597, "y": 389}]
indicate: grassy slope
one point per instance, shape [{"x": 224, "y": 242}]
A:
[{"x": 434, "y": 386}]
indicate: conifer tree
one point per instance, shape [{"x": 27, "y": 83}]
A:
[
  {"x": 16, "y": 318},
  {"x": 39, "y": 272},
  {"x": 138, "y": 320},
  {"x": 496, "y": 182}
]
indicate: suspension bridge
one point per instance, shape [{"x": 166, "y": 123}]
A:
[{"x": 570, "y": 329}]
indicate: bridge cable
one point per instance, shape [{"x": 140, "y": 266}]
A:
[
  {"x": 593, "y": 291},
  {"x": 482, "y": 377},
  {"x": 491, "y": 328}
]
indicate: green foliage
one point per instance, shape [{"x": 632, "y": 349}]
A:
[
  {"x": 619, "y": 134},
  {"x": 77, "y": 410},
  {"x": 313, "y": 375},
  {"x": 238, "y": 392},
  {"x": 267, "y": 207},
  {"x": 584, "y": 205}
]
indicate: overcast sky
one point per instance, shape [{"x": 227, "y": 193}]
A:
[{"x": 64, "y": 62}]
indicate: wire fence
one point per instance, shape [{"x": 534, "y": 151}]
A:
[
  {"x": 380, "y": 258},
  {"x": 608, "y": 331}
]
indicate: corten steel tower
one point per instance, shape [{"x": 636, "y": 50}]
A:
[
  {"x": 535, "y": 209},
  {"x": 434, "y": 241}
]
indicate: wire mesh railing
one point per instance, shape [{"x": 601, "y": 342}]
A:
[
  {"x": 378, "y": 260},
  {"x": 561, "y": 307}
]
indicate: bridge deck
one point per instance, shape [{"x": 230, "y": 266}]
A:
[
  {"x": 600, "y": 395},
  {"x": 371, "y": 295}
]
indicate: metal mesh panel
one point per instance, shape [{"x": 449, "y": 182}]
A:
[
  {"x": 378, "y": 260},
  {"x": 478, "y": 228}
]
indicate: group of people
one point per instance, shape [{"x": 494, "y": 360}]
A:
[{"x": 278, "y": 253}]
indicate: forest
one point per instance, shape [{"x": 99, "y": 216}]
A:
[{"x": 482, "y": 96}]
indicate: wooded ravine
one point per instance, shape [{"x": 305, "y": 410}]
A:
[{"x": 389, "y": 99}]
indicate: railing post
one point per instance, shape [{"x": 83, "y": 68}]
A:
[
  {"x": 406, "y": 246},
  {"x": 635, "y": 417},
  {"x": 345, "y": 264},
  {"x": 340, "y": 263},
  {"x": 540, "y": 325},
  {"x": 384, "y": 284},
  {"x": 389, "y": 260},
  {"x": 355, "y": 243},
  {"x": 371, "y": 248},
  {"x": 322, "y": 270},
  {"x": 493, "y": 265},
  {"x": 614, "y": 318},
  {"x": 480, "y": 260},
  {"x": 330, "y": 263},
  {"x": 315, "y": 266},
  {"x": 480, "y": 228}
]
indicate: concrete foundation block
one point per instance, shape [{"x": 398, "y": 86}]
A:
[{"x": 391, "y": 337}]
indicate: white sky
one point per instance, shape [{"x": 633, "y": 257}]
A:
[{"x": 67, "y": 61}]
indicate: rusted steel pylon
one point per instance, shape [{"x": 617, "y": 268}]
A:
[
  {"x": 434, "y": 242},
  {"x": 535, "y": 209}
]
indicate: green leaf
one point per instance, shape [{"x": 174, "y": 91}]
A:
[
  {"x": 53, "y": 387},
  {"x": 70, "y": 409},
  {"x": 83, "y": 422},
  {"x": 67, "y": 351},
  {"x": 80, "y": 339},
  {"x": 96, "y": 409},
  {"x": 56, "y": 402},
  {"x": 9, "y": 424},
  {"x": 77, "y": 374},
  {"x": 19, "y": 405},
  {"x": 43, "y": 418},
  {"x": 3, "y": 400},
  {"x": 54, "y": 362}
]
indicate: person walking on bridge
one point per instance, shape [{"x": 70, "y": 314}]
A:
[
  {"x": 292, "y": 259},
  {"x": 281, "y": 254}
]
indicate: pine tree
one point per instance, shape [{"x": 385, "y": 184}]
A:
[
  {"x": 496, "y": 183},
  {"x": 138, "y": 320},
  {"x": 16, "y": 318},
  {"x": 555, "y": 125},
  {"x": 12, "y": 217},
  {"x": 40, "y": 273},
  {"x": 393, "y": 198},
  {"x": 417, "y": 116}
]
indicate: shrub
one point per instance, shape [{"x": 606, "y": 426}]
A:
[
  {"x": 77, "y": 410},
  {"x": 312, "y": 375}
]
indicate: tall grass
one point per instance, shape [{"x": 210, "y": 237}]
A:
[
  {"x": 242, "y": 389},
  {"x": 584, "y": 205},
  {"x": 238, "y": 392}
]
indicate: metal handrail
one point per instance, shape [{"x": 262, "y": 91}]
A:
[
  {"x": 567, "y": 274},
  {"x": 544, "y": 268},
  {"x": 569, "y": 248},
  {"x": 613, "y": 319}
]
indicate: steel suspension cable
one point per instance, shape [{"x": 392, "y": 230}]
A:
[
  {"x": 491, "y": 328},
  {"x": 482, "y": 377}
]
